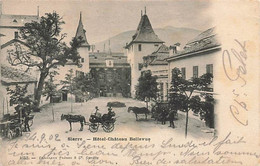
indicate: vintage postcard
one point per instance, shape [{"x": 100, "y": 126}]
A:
[{"x": 129, "y": 83}]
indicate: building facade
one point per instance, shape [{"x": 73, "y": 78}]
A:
[
  {"x": 198, "y": 57},
  {"x": 143, "y": 43},
  {"x": 83, "y": 68},
  {"x": 14, "y": 75},
  {"x": 83, "y": 51},
  {"x": 158, "y": 66},
  {"x": 111, "y": 73},
  {"x": 1, "y": 87},
  {"x": 10, "y": 24},
  {"x": 11, "y": 77}
]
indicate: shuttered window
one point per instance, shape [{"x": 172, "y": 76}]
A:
[
  {"x": 195, "y": 71},
  {"x": 209, "y": 68},
  {"x": 183, "y": 72}
]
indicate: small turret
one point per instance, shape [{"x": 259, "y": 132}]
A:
[{"x": 81, "y": 33}]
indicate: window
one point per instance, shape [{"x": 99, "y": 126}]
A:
[
  {"x": 16, "y": 35},
  {"x": 140, "y": 66},
  {"x": 167, "y": 91},
  {"x": 183, "y": 72},
  {"x": 79, "y": 73},
  {"x": 139, "y": 47},
  {"x": 109, "y": 63},
  {"x": 195, "y": 71},
  {"x": 209, "y": 68},
  {"x": 160, "y": 91},
  {"x": 82, "y": 60}
]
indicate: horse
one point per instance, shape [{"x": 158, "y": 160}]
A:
[
  {"x": 139, "y": 110},
  {"x": 73, "y": 119}
]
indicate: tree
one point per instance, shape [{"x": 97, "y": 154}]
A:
[
  {"x": 181, "y": 93},
  {"x": 84, "y": 85},
  {"x": 47, "y": 50},
  {"x": 18, "y": 97},
  {"x": 50, "y": 90},
  {"x": 207, "y": 110},
  {"x": 69, "y": 84},
  {"x": 146, "y": 87}
]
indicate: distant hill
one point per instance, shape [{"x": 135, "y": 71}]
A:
[{"x": 169, "y": 34}]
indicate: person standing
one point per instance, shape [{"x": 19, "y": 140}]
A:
[
  {"x": 26, "y": 122},
  {"x": 171, "y": 118},
  {"x": 163, "y": 115}
]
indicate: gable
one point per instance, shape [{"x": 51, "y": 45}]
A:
[{"x": 11, "y": 42}]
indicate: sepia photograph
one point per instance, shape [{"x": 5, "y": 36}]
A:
[{"x": 144, "y": 82}]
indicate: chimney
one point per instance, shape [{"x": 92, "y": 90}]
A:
[
  {"x": 173, "y": 50},
  {"x": 178, "y": 48}
]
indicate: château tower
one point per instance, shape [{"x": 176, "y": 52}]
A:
[
  {"x": 83, "y": 50},
  {"x": 144, "y": 42}
]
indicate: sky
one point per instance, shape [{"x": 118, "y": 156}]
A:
[{"x": 104, "y": 19}]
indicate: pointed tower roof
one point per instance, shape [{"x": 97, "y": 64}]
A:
[
  {"x": 82, "y": 33},
  {"x": 145, "y": 32}
]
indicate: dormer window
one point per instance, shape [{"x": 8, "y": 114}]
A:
[
  {"x": 15, "y": 20},
  {"x": 109, "y": 63}
]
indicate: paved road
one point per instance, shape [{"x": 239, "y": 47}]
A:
[
  {"x": 53, "y": 138},
  {"x": 125, "y": 121}
]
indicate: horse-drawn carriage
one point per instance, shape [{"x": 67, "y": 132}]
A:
[
  {"x": 107, "y": 122},
  {"x": 11, "y": 126}
]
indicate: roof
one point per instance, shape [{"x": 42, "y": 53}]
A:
[
  {"x": 208, "y": 33},
  {"x": 16, "y": 21},
  {"x": 145, "y": 33},
  {"x": 158, "y": 57},
  {"x": 82, "y": 33},
  {"x": 11, "y": 75},
  {"x": 159, "y": 62},
  {"x": 98, "y": 59},
  {"x": 162, "y": 49},
  {"x": 206, "y": 41},
  {"x": 13, "y": 41}
]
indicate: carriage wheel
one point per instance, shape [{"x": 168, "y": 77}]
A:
[
  {"x": 30, "y": 122},
  {"x": 18, "y": 132},
  {"x": 93, "y": 127},
  {"x": 108, "y": 127}
]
